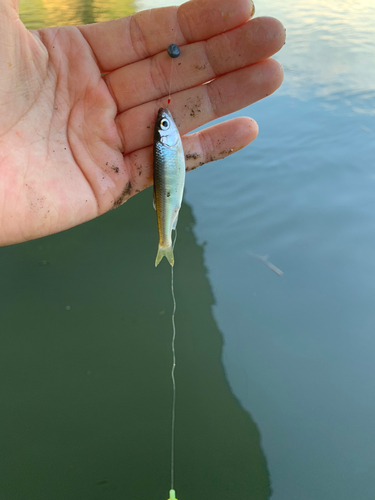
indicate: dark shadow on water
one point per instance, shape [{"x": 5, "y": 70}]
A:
[{"x": 85, "y": 362}]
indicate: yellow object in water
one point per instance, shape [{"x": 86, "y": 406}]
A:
[{"x": 172, "y": 495}]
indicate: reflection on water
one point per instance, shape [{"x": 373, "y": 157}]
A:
[
  {"x": 299, "y": 349},
  {"x": 330, "y": 50},
  {"x": 43, "y": 13}
]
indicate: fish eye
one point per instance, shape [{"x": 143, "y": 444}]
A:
[{"x": 164, "y": 124}]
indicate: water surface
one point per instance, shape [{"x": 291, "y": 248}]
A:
[
  {"x": 300, "y": 349},
  {"x": 85, "y": 318}
]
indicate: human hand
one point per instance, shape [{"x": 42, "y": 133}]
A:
[{"x": 74, "y": 143}]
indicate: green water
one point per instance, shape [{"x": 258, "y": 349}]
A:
[{"x": 85, "y": 370}]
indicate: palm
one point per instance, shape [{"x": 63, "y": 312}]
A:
[{"x": 74, "y": 144}]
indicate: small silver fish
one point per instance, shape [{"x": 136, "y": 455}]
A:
[{"x": 169, "y": 180}]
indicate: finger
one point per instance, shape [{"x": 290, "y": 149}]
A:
[
  {"x": 124, "y": 41},
  {"x": 219, "y": 141},
  {"x": 194, "y": 107},
  {"x": 213, "y": 143},
  {"x": 200, "y": 62}
]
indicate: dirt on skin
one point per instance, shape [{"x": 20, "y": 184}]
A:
[
  {"x": 124, "y": 196},
  {"x": 192, "y": 155}
]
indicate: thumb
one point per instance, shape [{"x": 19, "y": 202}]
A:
[{"x": 21, "y": 66}]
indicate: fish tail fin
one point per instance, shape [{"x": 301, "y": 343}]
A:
[{"x": 165, "y": 252}]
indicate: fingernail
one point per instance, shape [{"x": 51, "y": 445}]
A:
[{"x": 253, "y": 8}]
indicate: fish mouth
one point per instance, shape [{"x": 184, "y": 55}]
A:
[{"x": 163, "y": 111}]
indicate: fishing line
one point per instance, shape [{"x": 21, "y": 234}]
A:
[
  {"x": 170, "y": 84},
  {"x": 173, "y": 369},
  {"x": 173, "y": 52}
]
